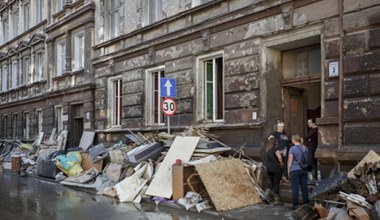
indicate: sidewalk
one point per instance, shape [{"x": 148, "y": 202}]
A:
[{"x": 259, "y": 211}]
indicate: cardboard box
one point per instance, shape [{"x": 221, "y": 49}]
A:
[{"x": 87, "y": 163}]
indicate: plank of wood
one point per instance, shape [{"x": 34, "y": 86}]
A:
[
  {"x": 228, "y": 184},
  {"x": 182, "y": 148},
  {"x": 87, "y": 139}
]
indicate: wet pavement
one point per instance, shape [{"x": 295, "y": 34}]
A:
[{"x": 31, "y": 198}]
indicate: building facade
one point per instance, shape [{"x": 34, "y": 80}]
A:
[
  {"x": 46, "y": 75},
  {"x": 240, "y": 66}
]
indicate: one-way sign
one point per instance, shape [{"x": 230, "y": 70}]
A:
[{"x": 168, "y": 87}]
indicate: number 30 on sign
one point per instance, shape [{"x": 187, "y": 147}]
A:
[{"x": 168, "y": 106}]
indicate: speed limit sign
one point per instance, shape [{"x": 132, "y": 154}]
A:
[{"x": 168, "y": 106}]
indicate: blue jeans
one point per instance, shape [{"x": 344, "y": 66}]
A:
[{"x": 298, "y": 178}]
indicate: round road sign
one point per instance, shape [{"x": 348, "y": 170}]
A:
[{"x": 168, "y": 106}]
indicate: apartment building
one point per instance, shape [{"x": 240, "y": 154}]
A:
[
  {"x": 46, "y": 74},
  {"x": 240, "y": 66}
]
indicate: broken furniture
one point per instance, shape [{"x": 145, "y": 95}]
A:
[
  {"x": 185, "y": 179},
  {"x": 145, "y": 152}
]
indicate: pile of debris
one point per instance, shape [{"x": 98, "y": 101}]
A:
[
  {"x": 187, "y": 168},
  {"x": 353, "y": 195}
]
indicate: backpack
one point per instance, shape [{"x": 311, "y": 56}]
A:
[{"x": 306, "y": 162}]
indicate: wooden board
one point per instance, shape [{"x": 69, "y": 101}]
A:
[
  {"x": 87, "y": 139},
  {"x": 228, "y": 184},
  {"x": 182, "y": 148}
]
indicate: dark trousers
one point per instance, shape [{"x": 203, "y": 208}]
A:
[
  {"x": 314, "y": 160},
  {"x": 298, "y": 179},
  {"x": 274, "y": 179}
]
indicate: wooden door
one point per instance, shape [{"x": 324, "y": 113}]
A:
[{"x": 294, "y": 111}]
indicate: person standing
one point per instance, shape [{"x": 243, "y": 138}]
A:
[
  {"x": 312, "y": 144},
  {"x": 274, "y": 165},
  {"x": 298, "y": 176},
  {"x": 283, "y": 143}
]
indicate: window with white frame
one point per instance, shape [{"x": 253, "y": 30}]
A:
[
  {"x": 39, "y": 121},
  {"x": 15, "y": 21},
  {"x": 26, "y": 125},
  {"x": 4, "y": 78},
  {"x": 195, "y": 3},
  {"x": 212, "y": 81},
  {"x": 39, "y": 10},
  {"x": 61, "y": 57},
  {"x": 114, "y": 8},
  {"x": 58, "y": 118},
  {"x": 25, "y": 70},
  {"x": 79, "y": 51},
  {"x": 26, "y": 14},
  {"x": 60, "y": 4},
  {"x": 154, "y": 11},
  {"x": 153, "y": 96},
  {"x": 14, "y": 125},
  {"x": 5, "y": 29},
  {"x": 115, "y": 88},
  {"x": 14, "y": 78},
  {"x": 38, "y": 65},
  {"x": 5, "y": 118}
]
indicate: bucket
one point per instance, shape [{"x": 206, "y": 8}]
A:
[{"x": 16, "y": 163}]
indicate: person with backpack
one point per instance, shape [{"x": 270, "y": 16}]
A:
[
  {"x": 274, "y": 165},
  {"x": 298, "y": 167}
]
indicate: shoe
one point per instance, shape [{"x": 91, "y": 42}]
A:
[
  {"x": 294, "y": 207},
  {"x": 266, "y": 196},
  {"x": 277, "y": 200}
]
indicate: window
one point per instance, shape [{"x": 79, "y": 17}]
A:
[
  {"x": 26, "y": 125},
  {"x": 15, "y": 23},
  {"x": 115, "y": 101},
  {"x": 60, "y": 4},
  {"x": 4, "y": 78},
  {"x": 14, "y": 77},
  {"x": 38, "y": 75},
  {"x": 26, "y": 15},
  {"x": 114, "y": 18},
  {"x": 14, "y": 125},
  {"x": 212, "y": 82},
  {"x": 61, "y": 57},
  {"x": 58, "y": 118},
  {"x": 79, "y": 51},
  {"x": 5, "y": 118},
  {"x": 5, "y": 29},
  {"x": 39, "y": 10},
  {"x": 302, "y": 63},
  {"x": 154, "y": 12},
  {"x": 39, "y": 121},
  {"x": 154, "y": 115},
  {"x": 25, "y": 71},
  {"x": 195, "y": 3}
]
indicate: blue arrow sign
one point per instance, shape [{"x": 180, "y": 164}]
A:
[{"x": 168, "y": 87}]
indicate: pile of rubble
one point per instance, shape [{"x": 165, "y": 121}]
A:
[
  {"x": 187, "y": 168},
  {"x": 341, "y": 196}
]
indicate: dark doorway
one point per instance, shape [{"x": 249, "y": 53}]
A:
[
  {"x": 301, "y": 87},
  {"x": 76, "y": 125}
]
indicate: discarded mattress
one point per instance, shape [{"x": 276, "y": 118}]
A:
[{"x": 145, "y": 152}]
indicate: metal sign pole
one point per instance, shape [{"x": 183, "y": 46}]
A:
[{"x": 168, "y": 124}]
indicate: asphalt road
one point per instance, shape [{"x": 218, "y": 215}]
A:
[{"x": 30, "y": 198}]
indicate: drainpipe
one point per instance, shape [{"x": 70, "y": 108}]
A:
[{"x": 341, "y": 66}]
